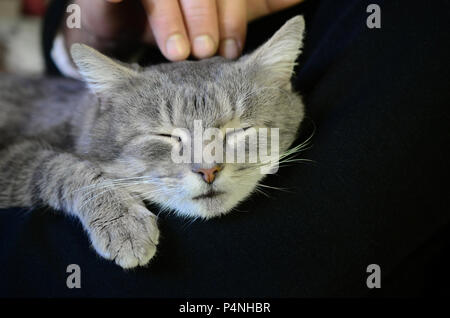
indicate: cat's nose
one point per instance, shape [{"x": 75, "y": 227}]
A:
[{"x": 208, "y": 174}]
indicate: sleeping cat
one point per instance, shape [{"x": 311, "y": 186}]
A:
[{"x": 98, "y": 151}]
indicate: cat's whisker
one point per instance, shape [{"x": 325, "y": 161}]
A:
[
  {"x": 140, "y": 177},
  {"x": 298, "y": 160},
  {"x": 273, "y": 188},
  {"x": 239, "y": 211},
  {"x": 86, "y": 202},
  {"x": 150, "y": 195},
  {"x": 123, "y": 182},
  {"x": 118, "y": 180},
  {"x": 257, "y": 189},
  {"x": 189, "y": 223},
  {"x": 125, "y": 185},
  {"x": 95, "y": 185}
]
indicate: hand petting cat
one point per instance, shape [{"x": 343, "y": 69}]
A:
[{"x": 179, "y": 28}]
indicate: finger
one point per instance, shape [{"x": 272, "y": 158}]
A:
[
  {"x": 232, "y": 27},
  {"x": 260, "y": 8},
  {"x": 166, "y": 22},
  {"x": 200, "y": 17}
]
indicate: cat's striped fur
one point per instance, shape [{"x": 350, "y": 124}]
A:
[{"x": 97, "y": 153}]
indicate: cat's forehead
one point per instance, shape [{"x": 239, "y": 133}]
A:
[
  {"x": 211, "y": 104},
  {"x": 181, "y": 106},
  {"x": 196, "y": 74},
  {"x": 198, "y": 70},
  {"x": 188, "y": 91}
]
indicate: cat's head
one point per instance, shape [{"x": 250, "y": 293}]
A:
[{"x": 146, "y": 119}]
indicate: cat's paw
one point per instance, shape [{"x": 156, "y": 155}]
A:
[{"x": 129, "y": 238}]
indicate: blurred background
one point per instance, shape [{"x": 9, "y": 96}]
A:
[{"x": 20, "y": 36}]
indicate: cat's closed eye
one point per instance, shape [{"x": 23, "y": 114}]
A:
[
  {"x": 240, "y": 132},
  {"x": 173, "y": 137}
]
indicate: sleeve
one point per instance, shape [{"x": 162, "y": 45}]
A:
[{"x": 52, "y": 21}]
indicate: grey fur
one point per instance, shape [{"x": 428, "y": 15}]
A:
[{"x": 95, "y": 153}]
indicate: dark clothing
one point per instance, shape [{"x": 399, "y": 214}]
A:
[
  {"x": 53, "y": 19},
  {"x": 378, "y": 193}
]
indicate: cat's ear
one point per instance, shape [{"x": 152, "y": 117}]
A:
[
  {"x": 276, "y": 58},
  {"x": 99, "y": 71}
]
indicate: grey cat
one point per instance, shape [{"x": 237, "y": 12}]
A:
[{"x": 98, "y": 152}]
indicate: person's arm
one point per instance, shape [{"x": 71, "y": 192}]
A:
[
  {"x": 179, "y": 28},
  {"x": 51, "y": 25}
]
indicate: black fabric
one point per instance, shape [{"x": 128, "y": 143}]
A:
[
  {"x": 378, "y": 193},
  {"x": 52, "y": 21}
]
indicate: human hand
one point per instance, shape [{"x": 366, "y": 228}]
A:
[{"x": 178, "y": 27}]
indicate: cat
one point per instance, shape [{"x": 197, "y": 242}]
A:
[{"x": 99, "y": 149}]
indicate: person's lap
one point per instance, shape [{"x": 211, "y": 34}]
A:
[{"x": 377, "y": 98}]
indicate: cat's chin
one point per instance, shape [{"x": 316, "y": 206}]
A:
[
  {"x": 195, "y": 199},
  {"x": 205, "y": 207}
]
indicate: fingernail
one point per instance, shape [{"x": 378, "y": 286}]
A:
[
  {"x": 230, "y": 49},
  {"x": 177, "y": 47},
  {"x": 203, "y": 46}
]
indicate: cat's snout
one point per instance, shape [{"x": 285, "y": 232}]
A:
[{"x": 208, "y": 174}]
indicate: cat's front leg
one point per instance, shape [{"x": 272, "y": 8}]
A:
[{"x": 119, "y": 226}]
